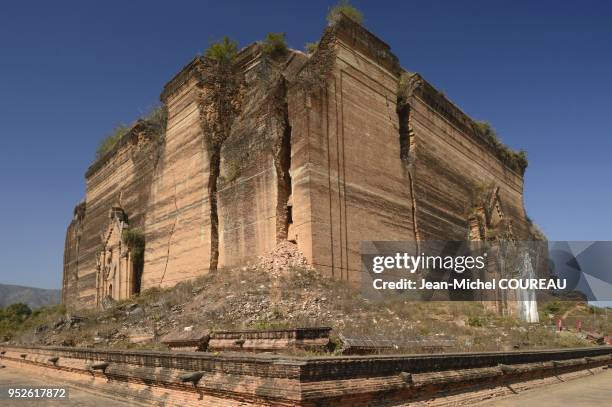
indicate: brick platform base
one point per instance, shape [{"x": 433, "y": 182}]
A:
[{"x": 184, "y": 379}]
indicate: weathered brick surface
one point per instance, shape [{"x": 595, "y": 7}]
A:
[
  {"x": 356, "y": 186},
  {"x": 178, "y": 227},
  {"x": 268, "y": 340},
  {"x": 349, "y": 176},
  {"x": 120, "y": 178},
  {"x": 355, "y": 183},
  {"x": 229, "y": 380}
]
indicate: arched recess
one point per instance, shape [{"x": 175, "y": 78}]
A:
[{"x": 120, "y": 260}]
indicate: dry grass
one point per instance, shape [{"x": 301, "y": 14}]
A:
[{"x": 247, "y": 298}]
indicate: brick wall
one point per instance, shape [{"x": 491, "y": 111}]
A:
[
  {"x": 350, "y": 180},
  {"x": 155, "y": 377},
  {"x": 122, "y": 177}
]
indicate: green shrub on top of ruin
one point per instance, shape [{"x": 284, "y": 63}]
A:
[
  {"x": 220, "y": 95},
  {"x": 311, "y": 47},
  {"x": 515, "y": 159},
  {"x": 488, "y": 130},
  {"x": 344, "y": 7},
  {"x": 222, "y": 51},
  {"x": 157, "y": 119},
  {"x": 110, "y": 140},
  {"x": 274, "y": 44}
]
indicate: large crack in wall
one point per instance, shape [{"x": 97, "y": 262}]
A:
[
  {"x": 213, "y": 177},
  {"x": 403, "y": 117},
  {"x": 220, "y": 103},
  {"x": 282, "y": 163},
  {"x": 407, "y": 144}
]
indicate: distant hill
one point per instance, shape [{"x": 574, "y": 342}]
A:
[{"x": 33, "y": 297}]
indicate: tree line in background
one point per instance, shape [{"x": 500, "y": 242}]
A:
[{"x": 19, "y": 317}]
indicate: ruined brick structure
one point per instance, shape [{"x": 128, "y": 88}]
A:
[
  {"x": 326, "y": 150},
  {"x": 232, "y": 379}
]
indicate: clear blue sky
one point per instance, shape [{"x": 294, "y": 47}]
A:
[{"x": 539, "y": 71}]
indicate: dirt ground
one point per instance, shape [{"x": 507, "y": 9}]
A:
[
  {"x": 590, "y": 391},
  {"x": 10, "y": 377}
]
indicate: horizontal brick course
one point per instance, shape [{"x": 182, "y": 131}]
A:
[{"x": 231, "y": 379}]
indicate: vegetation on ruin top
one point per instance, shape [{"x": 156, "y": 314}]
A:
[
  {"x": 155, "y": 120},
  {"x": 111, "y": 139},
  {"x": 515, "y": 159},
  {"x": 222, "y": 51},
  {"x": 409, "y": 82},
  {"x": 311, "y": 47},
  {"x": 346, "y": 8},
  {"x": 275, "y": 45}
]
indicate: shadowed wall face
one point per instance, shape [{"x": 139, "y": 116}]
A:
[{"x": 121, "y": 178}]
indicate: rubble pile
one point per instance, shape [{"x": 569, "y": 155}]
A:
[
  {"x": 277, "y": 291},
  {"x": 282, "y": 259}
]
